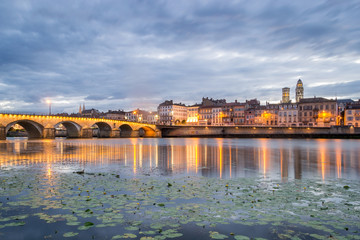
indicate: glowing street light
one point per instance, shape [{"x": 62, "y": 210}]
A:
[{"x": 48, "y": 101}]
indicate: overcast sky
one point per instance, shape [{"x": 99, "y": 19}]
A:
[{"x": 129, "y": 54}]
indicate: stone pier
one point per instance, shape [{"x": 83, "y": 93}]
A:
[
  {"x": 115, "y": 133},
  {"x": 2, "y": 132},
  {"x": 49, "y": 133},
  {"x": 86, "y": 133}
]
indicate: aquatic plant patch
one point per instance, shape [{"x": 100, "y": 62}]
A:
[{"x": 112, "y": 206}]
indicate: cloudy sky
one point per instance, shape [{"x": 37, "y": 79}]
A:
[{"x": 129, "y": 54}]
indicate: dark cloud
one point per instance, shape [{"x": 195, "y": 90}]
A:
[{"x": 123, "y": 54}]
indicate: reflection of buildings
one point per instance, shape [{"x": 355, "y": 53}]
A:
[{"x": 222, "y": 158}]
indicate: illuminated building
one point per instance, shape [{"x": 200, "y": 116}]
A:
[
  {"x": 152, "y": 118},
  {"x": 299, "y": 90},
  {"x": 320, "y": 112},
  {"x": 171, "y": 113},
  {"x": 193, "y": 115},
  {"x": 342, "y": 104},
  {"x": 116, "y": 115},
  {"x": 285, "y": 95},
  {"x": 211, "y": 110},
  {"x": 92, "y": 113},
  {"x": 249, "y": 116},
  {"x": 217, "y": 116},
  {"x": 288, "y": 114},
  {"x": 205, "y": 115},
  {"x": 266, "y": 115},
  {"x": 352, "y": 115},
  {"x": 239, "y": 114},
  {"x": 137, "y": 116}
]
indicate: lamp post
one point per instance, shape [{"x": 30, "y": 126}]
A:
[{"x": 49, "y": 103}]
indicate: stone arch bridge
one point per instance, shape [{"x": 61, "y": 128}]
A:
[{"x": 38, "y": 126}]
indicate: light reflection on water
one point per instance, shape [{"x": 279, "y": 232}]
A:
[{"x": 221, "y": 158}]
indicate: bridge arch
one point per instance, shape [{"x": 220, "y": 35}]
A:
[
  {"x": 125, "y": 130},
  {"x": 146, "y": 132},
  {"x": 73, "y": 129},
  {"x": 33, "y": 129},
  {"x": 104, "y": 129}
]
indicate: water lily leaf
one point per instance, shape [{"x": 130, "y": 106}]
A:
[
  {"x": 88, "y": 224},
  {"x": 73, "y": 223},
  {"x": 132, "y": 228},
  {"x": 70, "y": 234},
  {"x": 241, "y": 237},
  {"x": 216, "y": 235},
  {"x": 126, "y": 235}
]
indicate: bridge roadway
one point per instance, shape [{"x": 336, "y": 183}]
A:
[{"x": 38, "y": 126}]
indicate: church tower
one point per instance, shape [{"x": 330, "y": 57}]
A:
[
  {"x": 285, "y": 95},
  {"x": 299, "y": 90},
  {"x": 80, "y": 109}
]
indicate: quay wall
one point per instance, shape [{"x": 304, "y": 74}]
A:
[{"x": 263, "y": 132}]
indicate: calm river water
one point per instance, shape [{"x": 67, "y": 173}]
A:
[{"x": 183, "y": 188}]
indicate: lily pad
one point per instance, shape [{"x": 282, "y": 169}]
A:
[
  {"x": 216, "y": 235},
  {"x": 70, "y": 234}
]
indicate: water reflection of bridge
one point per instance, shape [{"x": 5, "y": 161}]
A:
[
  {"x": 212, "y": 158},
  {"x": 44, "y": 126}
]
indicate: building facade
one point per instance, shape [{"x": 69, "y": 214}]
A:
[
  {"x": 115, "y": 115},
  {"x": 137, "y": 116},
  {"x": 319, "y": 112},
  {"x": 171, "y": 113},
  {"x": 193, "y": 114},
  {"x": 288, "y": 115},
  {"x": 352, "y": 115}
]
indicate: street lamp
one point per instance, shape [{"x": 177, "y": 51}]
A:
[{"x": 49, "y": 103}]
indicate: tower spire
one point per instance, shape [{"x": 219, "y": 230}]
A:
[
  {"x": 80, "y": 109},
  {"x": 299, "y": 90}
]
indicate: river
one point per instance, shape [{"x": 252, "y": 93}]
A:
[{"x": 181, "y": 188}]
